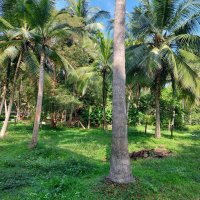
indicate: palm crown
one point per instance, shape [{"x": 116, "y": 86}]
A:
[
  {"x": 91, "y": 16},
  {"x": 168, "y": 47},
  {"x": 168, "y": 31}
]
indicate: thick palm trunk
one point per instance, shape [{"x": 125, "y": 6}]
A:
[
  {"x": 120, "y": 167},
  {"x": 39, "y": 102},
  {"x": 104, "y": 96},
  {"x": 3, "y": 99},
  {"x": 158, "y": 94},
  {"x": 7, "y": 117}
]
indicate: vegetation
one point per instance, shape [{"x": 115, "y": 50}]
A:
[
  {"x": 72, "y": 164},
  {"x": 72, "y": 76}
]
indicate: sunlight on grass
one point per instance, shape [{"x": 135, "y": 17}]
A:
[{"x": 72, "y": 164}]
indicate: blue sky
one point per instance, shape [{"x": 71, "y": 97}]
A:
[{"x": 103, "y": 4}]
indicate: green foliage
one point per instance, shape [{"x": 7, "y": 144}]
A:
[{"x": 163, "y": 40}]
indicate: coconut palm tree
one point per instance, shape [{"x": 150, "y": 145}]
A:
[
  {"x": 104, "y": 53},
  {"x": 120, "y": 169},
  {"x": 170, "y": 44},
  {"x": 38, "y": 30},
  {"x": 14, "y": 42},
  {"x": 47, "y": 33},
  {"x": 91, "y": 16}
]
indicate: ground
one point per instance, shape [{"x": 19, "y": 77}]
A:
[{"x": 72, "y": 164}]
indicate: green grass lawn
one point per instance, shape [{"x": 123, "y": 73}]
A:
[{"x": 72, "y": 164}]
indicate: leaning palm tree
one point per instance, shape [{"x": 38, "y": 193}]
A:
[
  {"x": 14, "y": 42},
  {"x": 17, "y": 58},
  {"x": 169, "y": 44},
  {"x": 3, "y": 87},
  {"x": 120, "y": 169},
  {"x": 46, "y": 34}
]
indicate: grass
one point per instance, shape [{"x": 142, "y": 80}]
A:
[{"x": 71, "y": 164}]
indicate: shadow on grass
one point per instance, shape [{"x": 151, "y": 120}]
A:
[
  {"x": 46, "y": 170},
  {"x": 54, "y": 171}
]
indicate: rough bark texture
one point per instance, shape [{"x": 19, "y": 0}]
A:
[
  {"x": 39, "y": 102},
  {"x": 3, "y": 99},
  {"x": 5, "y": 107},
  {"x": 158, "y": 93},
  {"x": 7, "y": 117},
  {"x": 120, "y": 168}
]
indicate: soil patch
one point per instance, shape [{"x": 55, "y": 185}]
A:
[{"x": 151, "y": 153}]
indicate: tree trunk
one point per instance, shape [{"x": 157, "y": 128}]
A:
[
  {"x": 18, "y": 105},
  {"x": 138, "y": 94},
  {"x": 158, "y": 94},
  {"x": 53, "y": 120},
  {"x": 128, "y": 106},
  {"x": 104, "y": 96},
  {"x": 71, "y": 115},
  {"x": 7, "y": 117},
  {"x": 172, "y": 122},
  {"x": 146, "y": 125},
  {"x": 39, "y": 102},
  {"x": 3, "y": 99},
  {"x": 89, "y": 116},
  {"x": 174, "y": 105},
  {"x": 169, "y": 125},
  {"x": 190, "y": 118},
  {"x": 53, "y": 112},
  {"x": 5, "y": 107},
  {"x": 120, "y": 167}
]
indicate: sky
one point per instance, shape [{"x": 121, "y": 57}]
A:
[{"x": 107, "y": 5}]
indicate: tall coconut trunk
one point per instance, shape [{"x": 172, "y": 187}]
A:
[
  {"x": 5, "y": 107},
  {"x": 18, "y": 104},
  {"x": 7, "y": 115},
  {"x": 104, "y": 98},
  {"x": 138, "y": 94},
  {"x": 174, "y": 105},
  {"x": 53, "y": 112},
  {"x": 120, "y": 167},
  {"x": 157, "y": 95},
  {"x": 172, "y": 122},
  {"x": 39, "y": 102},
  {"x": 89, "y": 116},
  {"x": 3, "y": 99}
]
